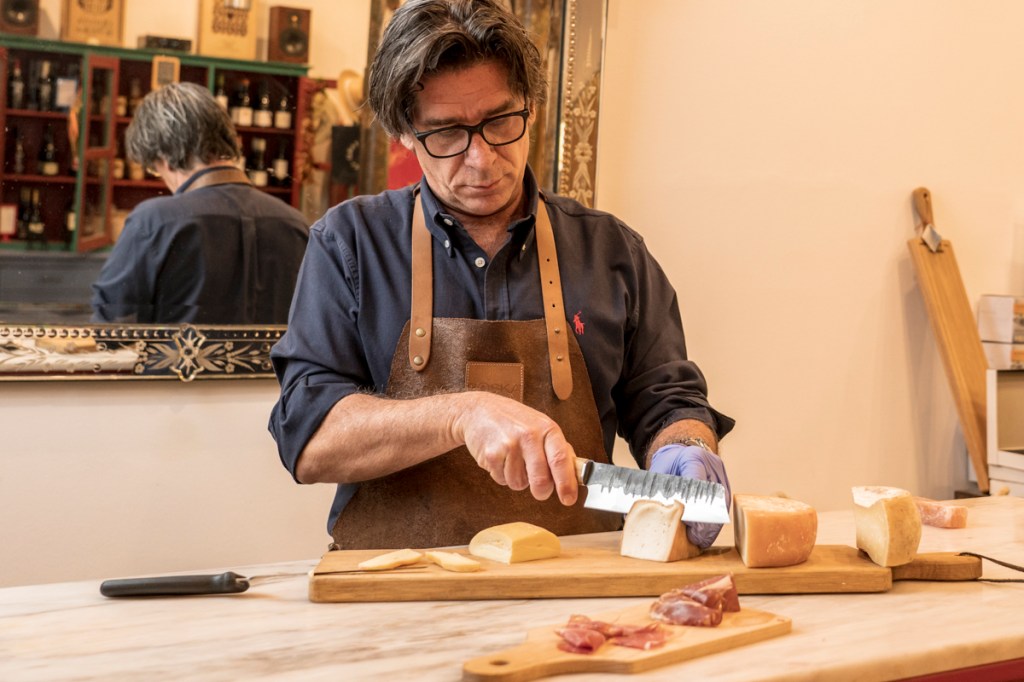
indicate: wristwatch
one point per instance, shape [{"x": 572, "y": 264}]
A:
[{"x": 699, "y": 442}]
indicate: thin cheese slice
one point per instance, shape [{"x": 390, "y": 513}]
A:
[
  {"x": 888, "y": 524},
  {"x": 773, "y": 531},
  {"x": 450, "y": 561},
  {"x": 511, "y": 543},
  {"x": 655, "y": 532},
  {"x": 400, "y": 557},
  {"x": 941, "y": 514}
]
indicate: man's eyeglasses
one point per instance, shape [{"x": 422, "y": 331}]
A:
[{"x": 496, "y": 131}]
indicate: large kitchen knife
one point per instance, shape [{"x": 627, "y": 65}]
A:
[{"x": 615, "y": 489}]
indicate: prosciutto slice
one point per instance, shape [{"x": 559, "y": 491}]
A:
[
  {"x": 715, "y": 592},
  {"x": 581, "y": 635},
  {"x": 678, "y": 609}
]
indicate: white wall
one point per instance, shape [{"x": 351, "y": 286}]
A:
[
  {"x": 338, "y": 40},
  {"x": 767, "y": 151},
  {"x": 106, "y": 479}
]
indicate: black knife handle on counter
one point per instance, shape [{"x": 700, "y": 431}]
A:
[{"x": 223, "y": 583}]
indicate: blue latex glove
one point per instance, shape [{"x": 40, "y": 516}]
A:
[{"x": 694, "y": 462}]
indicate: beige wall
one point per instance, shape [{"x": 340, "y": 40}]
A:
[{"x": 767, "y": 151}]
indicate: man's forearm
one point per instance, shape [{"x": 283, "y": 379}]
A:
[
  {"x": 365, "y": 436},
  {"x": 677, "y": 432}
]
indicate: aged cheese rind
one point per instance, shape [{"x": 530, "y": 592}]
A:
[
  {"x": 383, "y": 562},
  {"x": 773, "y": 531},
  {"x": 888, "y": 524},
  {"x": 941, "y": 514},
  {"x": 451, "y": 561},
  {"x": 655, "y": 532},
  {"x": 512, "y": 543}
]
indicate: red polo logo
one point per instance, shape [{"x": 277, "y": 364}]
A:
[{"x": 577, "y": 323}]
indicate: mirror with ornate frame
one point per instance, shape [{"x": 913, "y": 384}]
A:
[{"x": 563, "y": 158}]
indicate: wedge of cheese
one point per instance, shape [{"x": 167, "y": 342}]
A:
[
  {"x": 888, "y": 524},
  {"x": 654, "y": 531},
  {"x": 384, "y": 562},
  {"x": 511, "y": 543},
  {"x": 773, "y": 531},
  {"x": 941, "y": 514},
  {"x": 451, "y": 561}
]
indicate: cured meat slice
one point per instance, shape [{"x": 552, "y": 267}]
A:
[
  {"x": 715, "y": 592},
  {"x": 678, "y": 609},
  {"x": 580, "y": 640},
  {"x": 575, "y": 637}
]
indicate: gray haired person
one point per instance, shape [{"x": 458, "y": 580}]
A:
[
  {"x": 217, "y": 250},
  {"x": 456, "y": 343}
]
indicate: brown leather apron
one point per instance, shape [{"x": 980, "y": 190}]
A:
[
  {"x": 448, "y": 499},
  {"x": 224, "y": 175}
]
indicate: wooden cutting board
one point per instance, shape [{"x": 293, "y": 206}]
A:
[
  {"x": 540, "y": 656},
  {"x": 591, "y": 566}
]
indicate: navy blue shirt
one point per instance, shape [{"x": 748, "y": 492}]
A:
[
  {"x": 222, "y": 254},
  {"x": 353, "y": 295}
]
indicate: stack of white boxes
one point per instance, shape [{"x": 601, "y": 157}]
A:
[{"x": 1001, "y": 327}]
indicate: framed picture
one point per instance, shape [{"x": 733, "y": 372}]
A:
[
  {"x": 165, "y": 70},
  {"x": 227, "y": 28},
  {"x": 97, "y": 22}
]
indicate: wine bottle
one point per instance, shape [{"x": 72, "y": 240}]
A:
[
  {"x": 283, "y": 115},
  {"x": 16, "y": 87},
  {"x": 36, "y": 226},
  {"x": 258, "y": 170},
  {"x": 220, "y": 94},
  {"x": 24, "y": 211},
  {"x": 280, "y": 175},
  {"x": 243, "y": 104},
  {"x": 44, "y": 87},
  {"x": 70, "y": 223},
  {"x": 134, "y": 96},
  {"x": 66, "y": 90},
  {"x": 263, "y": 117},
  {"x": 19, "y": 153},
  {"x": 48, "y": 154}
]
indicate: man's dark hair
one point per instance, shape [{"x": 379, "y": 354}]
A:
[
  {"x": 430, "y": 36},
  {"x": 182, "y": 124}
]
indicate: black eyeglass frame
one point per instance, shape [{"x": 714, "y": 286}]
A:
[{"x": 477, "y": 129}]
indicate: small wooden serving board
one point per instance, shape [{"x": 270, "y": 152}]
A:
[
  {"x": 540, "y": 656},
  {"x": 591, "y": 566}
]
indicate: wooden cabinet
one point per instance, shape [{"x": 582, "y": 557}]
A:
[{"x": 64, "y": 109}]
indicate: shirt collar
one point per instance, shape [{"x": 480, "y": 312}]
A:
[
  {"x": 446, "y": 228},
  {"x": 195, "y": 176}
]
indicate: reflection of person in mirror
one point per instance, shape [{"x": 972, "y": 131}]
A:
[
  {"x": 432, "y": 366},
  {"x": 216, "y": 251}
]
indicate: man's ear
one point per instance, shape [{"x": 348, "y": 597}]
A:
[{"x": 407, "y": 141}]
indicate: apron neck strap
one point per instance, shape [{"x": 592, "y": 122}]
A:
[
  {"x": 224, "y": 175},
  {"x": 422, "y": 314}
]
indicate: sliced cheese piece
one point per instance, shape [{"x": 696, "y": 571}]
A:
[
  {"x": 888, "y": 524},
  {"x": 450, "y": 561},
  {"x": 773, "y": 531},
  {"x": 511, "y": 543},
  {"x": 400, "y": 557},
  {"x": 941, "y": 514},
  {"x": 654, "y": 531}
]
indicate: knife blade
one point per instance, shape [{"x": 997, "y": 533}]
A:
[
  {"x": 615, "y": 489},
  {"x": 228, "y": 582}
]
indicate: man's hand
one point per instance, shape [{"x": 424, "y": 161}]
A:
[
  {"x": 693, "y": 462},
  {"x": 517, "y": 445}
]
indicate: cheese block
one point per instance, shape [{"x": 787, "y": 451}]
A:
[
  {"x": 451, "y": 561},
  {"x": 511, "y": 543},
  {"x": 941, "y": 514},
  {"x": 654, "y": 531},
  {"x": 773, "y": 531},
  {"x": 888, "y": 524},
  {"x": 383, "y": 562}
]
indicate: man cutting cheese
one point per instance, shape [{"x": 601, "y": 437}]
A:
[{"x": 454, "y": 345}]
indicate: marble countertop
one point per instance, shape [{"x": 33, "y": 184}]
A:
[{"x": 68, "y": 631}]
